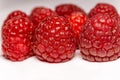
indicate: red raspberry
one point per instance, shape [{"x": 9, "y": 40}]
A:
[
  {"x": 67, "y": 9},
  {"x": 39, "y": 13},
  {"x": 77, "y": 20},
  {"x": 15, "y": 13},
  {"x": 55, "y": 40},
  {"x": 103, "y": 8},
  {"x": 100, "y": 39},
  {"x": 17, "y": 34}
]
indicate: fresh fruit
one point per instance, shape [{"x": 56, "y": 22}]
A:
[
  {"x": 77, "y": 20},
  {"x": 15, "y": 13},
  {"x": 17, "y": 35},
  {"x": 103, "y": 8},
  {"x": 39, "y": 13},
  {"x": 67, "y": 9},
  {"x": 55, "y": 40},
  {"x": 100, "y": 39}
]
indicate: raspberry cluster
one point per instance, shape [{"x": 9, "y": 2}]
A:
[{"x": 54, "y": 35}]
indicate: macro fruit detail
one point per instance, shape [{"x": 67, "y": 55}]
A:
[
  {"x": 55, "y": 41},
  {"x": 17, "y": 36},
  {"x": 100, "y": 40}
]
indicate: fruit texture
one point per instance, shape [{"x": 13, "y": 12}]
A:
[
  {"x": 103, "y": 8},
  {"x": 100, "y": 39},
  {"x": 39, "y": 13},
  {"x": 15, "y": 13},
  {"x": 67, "y": 9},
  {"x": 55, "y": 40},
  {"x": 16, "y": 35},
  {"x": 77, "y": 20}
]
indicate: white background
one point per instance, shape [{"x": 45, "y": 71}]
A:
[{"x": 76, "y": 69}]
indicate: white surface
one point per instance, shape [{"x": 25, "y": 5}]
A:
[{"x": 76, "y": 69}]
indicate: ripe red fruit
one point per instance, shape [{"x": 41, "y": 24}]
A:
[
  {"x": 103, "y": 8},
  {"x": 39, "y": 13},
  {"x": 67, "y": 9},
  {"x": 100, "y": 39},
  {"x": 55, "y": 40},
  {"x": 17, "y": 35},
  {"x": 15, "y": 13},
  {"x": 77, "y": 20}
]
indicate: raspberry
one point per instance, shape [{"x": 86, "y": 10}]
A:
[
  {"x": 77, "y": 20},
  {"x": 100, "y": 39},
  {"x": 55, "y": 40},
  {"x": 17, "y": 34},
  {"x": 67, "y": 9},
  {"x": 39, "y": 13},
  {"x": 103, "y": 8},
  {"x": 15, "y": 13}
]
